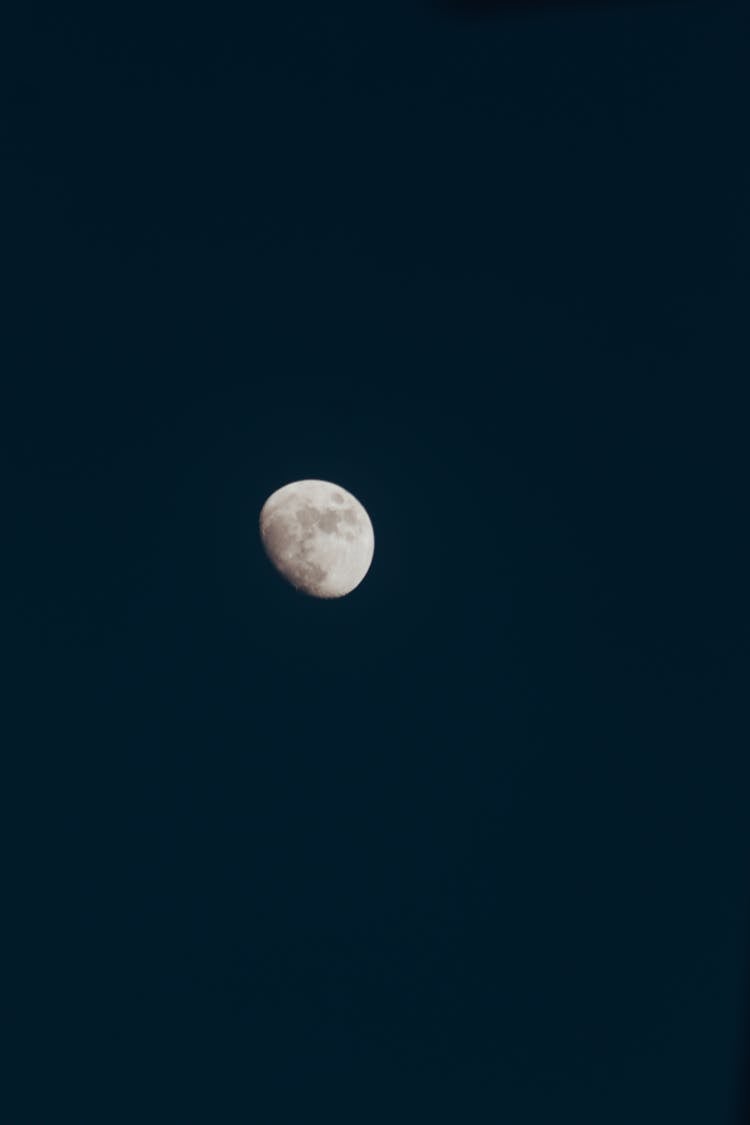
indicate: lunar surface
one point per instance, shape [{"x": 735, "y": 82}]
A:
[{"x": 318, "y": 536}]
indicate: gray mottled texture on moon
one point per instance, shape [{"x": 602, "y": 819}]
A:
[{"x": 318, "y": 536}]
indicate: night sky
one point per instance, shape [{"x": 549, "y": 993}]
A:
[{"x": 471, "y": 844}]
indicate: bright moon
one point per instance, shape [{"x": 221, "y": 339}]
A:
[{"x": 318, "y": 536}]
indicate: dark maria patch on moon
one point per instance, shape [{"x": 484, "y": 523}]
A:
[{"x": 329, "y": 521}]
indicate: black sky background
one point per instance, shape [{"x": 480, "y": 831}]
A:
[{"x": 470, "y": 844}]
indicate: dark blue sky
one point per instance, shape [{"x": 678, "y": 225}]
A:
[{"x": 471, "y": 844}]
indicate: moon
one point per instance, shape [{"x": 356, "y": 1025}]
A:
[{"x": 318, "y": 536}]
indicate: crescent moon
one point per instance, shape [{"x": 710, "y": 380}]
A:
[{"x": 318, "y": 536}]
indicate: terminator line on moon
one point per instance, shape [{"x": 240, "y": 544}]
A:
[{"x": 318, "y": 536}]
